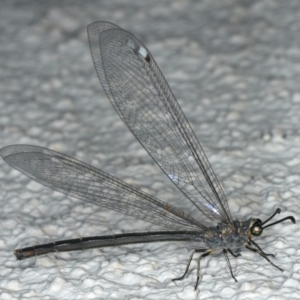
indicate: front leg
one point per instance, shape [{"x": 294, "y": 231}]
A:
[
  {"x": 262, "y": 254},
  {"x": 256, "y": 245}
]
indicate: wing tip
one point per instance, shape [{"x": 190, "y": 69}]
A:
[
  {"x": 18, "y": 148},
  {"x": 100, "y": 26}
]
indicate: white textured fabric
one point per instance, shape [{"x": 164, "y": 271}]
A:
[{"x": 234, "y": 67}]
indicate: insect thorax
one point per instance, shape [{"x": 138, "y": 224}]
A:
[{"x": 224, "y": 236}]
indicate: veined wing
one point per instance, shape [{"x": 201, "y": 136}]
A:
[
  {"x": 77, "y": 179},
  {"x": 142, "y": 98}
]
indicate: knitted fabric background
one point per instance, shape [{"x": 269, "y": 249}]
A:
[{"x": 234, "y": 67}]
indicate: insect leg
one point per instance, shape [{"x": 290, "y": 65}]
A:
[
  {"x": 267, "y": 254},
  {"x": 208, "y": 252},
  {"x": 234, "y": 255},
  {"x": 262, "y": 254},
  {"x": 228, "y": 262},
  {"x": 189, "y": 262}
]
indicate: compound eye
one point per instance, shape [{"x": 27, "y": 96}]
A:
[{"x": 256, "y": 229}]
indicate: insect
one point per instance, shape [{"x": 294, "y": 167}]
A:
[{"x": 141, "y": 96}]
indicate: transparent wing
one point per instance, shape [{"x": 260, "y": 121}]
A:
[
  {"x": 141, "y": 96},
  {"x": 77, "y": 179}
]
